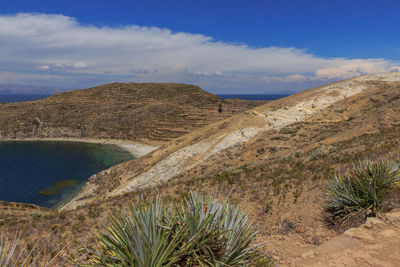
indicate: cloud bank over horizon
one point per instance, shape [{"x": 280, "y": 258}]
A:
[{"x": 57, "y": 50}]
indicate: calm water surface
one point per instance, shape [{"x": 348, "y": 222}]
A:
[
  {"x": 29, "y": 171},
  {"x": 7, "y": 98},
  {"x": 251, "y": 96}
]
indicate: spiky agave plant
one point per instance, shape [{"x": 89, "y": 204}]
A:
[
  {"x": 239, "y": 234},
  {"x": 219, "y": 234},
  {"x": 202, "y": 235},
  {"x": 196, "y": 232},
  {"x": 361, "y": 189},
  {"x": 148, "y": 236}
]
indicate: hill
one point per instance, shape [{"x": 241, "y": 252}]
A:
[
  {"x": 318, "y": 117},
  {"x": 152, "y": 113},
  {"x": 274, "y": 161}
]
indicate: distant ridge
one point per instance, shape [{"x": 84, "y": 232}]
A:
[{"x": 148, "y": 112}]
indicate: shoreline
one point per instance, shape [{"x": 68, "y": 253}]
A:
[{"x": 137, "y": 150}]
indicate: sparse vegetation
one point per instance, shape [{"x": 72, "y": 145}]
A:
[
  {"x": 16, "y": 253},
  {"x": 282, "y": 189},
  {"x": 322, "y": 151},
  {"x": 7, "y": 252},
  {"x": 360, "y": 191},
  {"x": 198, "y": 231},
  {"x": 152, "y": 111}
]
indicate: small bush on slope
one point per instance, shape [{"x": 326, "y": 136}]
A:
[
  {"x": 197, "y": 232},
  {"x": 361, "y": 190}
]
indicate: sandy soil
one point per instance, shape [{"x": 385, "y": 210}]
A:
[{"x": 375, "y": 243}]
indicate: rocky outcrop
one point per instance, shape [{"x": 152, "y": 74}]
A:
[{"x": 375, "y": 243}]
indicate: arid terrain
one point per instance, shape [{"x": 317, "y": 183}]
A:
[
  {"x": 273, "y": 160},
  {"x": 149, "y": 113}
]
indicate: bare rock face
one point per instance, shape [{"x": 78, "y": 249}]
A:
[{"x": 371, "y": 222}]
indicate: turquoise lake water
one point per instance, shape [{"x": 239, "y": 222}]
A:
[{"x": 49, "y": 173}]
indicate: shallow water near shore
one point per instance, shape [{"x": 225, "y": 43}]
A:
[{"x": 47, "y": 173}]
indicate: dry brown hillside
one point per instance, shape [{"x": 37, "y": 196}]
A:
[
  {"x": 153, "y": 113},
  {"x": 278, "y": 128},
  {"x": 274, "y": 161}
]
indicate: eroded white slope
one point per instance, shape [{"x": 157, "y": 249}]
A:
[
  {"x": 244, "y": 127},
  {"x": 313, "y": 101}
]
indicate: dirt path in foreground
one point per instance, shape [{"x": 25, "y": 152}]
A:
[{"x": 375, "y": 243}]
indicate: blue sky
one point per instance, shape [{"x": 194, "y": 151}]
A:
[{"x": 225, "y": 46}]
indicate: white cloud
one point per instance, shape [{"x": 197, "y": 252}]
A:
[
  {"x": 395, "y": 69},
  {"x": 353, "y": 68},
  {"x": 43, "y": 67},
  {"x": 15, "y": 78},
  {"x": 62, "y": 66},
  {"x": 295, "y": 78},
  {"x": 44, "y": 46},
  {"x": 216, "y": 73},
  {"x": 340, "y": 69}
]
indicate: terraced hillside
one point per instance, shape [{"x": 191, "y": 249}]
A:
[
  {"x": 274, "y": 161},
  {"x": 153, "y": 113},
  {"x": 14, "y": 213}
]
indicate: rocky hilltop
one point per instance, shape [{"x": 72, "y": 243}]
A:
[{"x": 152, "y": 113}]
